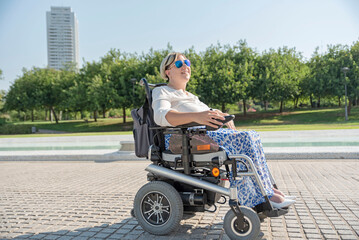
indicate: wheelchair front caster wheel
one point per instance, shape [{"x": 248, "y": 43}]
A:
[
  {"x": 158, "y": 208},
  {"x": 251, "y": 228}
]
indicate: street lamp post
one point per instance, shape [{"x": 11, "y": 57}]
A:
[{"x": 345, "y": 70}]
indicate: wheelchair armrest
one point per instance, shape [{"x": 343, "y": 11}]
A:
[{"x": 194, "y": 124}]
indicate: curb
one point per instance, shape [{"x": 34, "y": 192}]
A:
[
  {"x": 130, "y": 156},
  {"x": 308, "y": 156},
  {"x": 97, "y": 157}
]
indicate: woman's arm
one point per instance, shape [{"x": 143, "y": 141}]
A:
[{"x": 203, "y": 118}]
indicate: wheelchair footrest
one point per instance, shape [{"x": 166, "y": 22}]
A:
[{"x": 276, "y": 212}]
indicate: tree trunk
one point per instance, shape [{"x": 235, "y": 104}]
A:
[
  {"x": 50, "y": 114},
  {"x": 82, "y": 115},
  {"x": 223, "y": 107},
  {"x": 296, "y": 100},
  {"x": 95, "y": 115},
  {"x": 244, "y": 108},
  {"x": 103, "y": 112},
  {"x": 318, "y": 104},
  {"x": 339, "y": 103},
  {"x": 265, "y": 105},
  {"x": 46, "y": 116},
  {"x": 311, "y": 101},
  {"x": 124, "y": 114},
  {"x": 53, "y": 112},
  {"x": 32, "y": 115},
  {"x": 350, "y": 106},
  {"x": 281, "y": 107},
  {"x": 60, "y": 115}
]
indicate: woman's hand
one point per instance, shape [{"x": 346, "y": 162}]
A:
[
  {"x": 229, "y": 124},
  {"x": 209, "y": 118}
]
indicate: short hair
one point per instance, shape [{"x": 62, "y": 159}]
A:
[{"x": 167, "y": 61}]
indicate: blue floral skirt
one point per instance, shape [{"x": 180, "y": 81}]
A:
[{"x": 248, "y": 143}]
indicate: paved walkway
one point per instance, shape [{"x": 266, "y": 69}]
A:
[{"x": 89, "y": 200}]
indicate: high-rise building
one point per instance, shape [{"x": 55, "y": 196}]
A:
[{"x": 62, "y": 38}]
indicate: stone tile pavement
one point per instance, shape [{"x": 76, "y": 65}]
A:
[{"x": 89, "y": 200}]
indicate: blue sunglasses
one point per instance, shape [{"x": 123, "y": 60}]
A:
[{"x": 179, "y": 63}]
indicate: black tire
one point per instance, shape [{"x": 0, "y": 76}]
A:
[
  {"x": 158, "y": 208},
  {"x": 252, "y": 224},
  {"x": 133, "y": 213}
]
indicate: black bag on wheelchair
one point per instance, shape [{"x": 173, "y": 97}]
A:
[
  {"x": 141, "y": 132},
  {"x": 143, "y": 135}
]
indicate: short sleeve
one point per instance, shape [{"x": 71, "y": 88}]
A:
[{"x": 161, "y": 105}]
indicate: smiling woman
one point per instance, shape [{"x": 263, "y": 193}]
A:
[{"x": 173, "y": 106}]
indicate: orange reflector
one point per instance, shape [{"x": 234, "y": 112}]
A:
[
  {"x": 215, "y": 172},
  {"x": 203, "y": 147}
]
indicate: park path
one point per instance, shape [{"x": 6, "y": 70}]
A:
[{"x": 91, "y": 200}]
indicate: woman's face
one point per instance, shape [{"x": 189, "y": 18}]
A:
[{"x": 179, "y": 74}]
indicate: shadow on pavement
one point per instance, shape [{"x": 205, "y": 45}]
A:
[{"x": 126, "y": 229}]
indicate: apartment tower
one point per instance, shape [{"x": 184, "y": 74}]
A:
[{"x": 62, "y": 38}]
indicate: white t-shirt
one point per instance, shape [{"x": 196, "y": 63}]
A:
[{"x": 166, "y": 98}]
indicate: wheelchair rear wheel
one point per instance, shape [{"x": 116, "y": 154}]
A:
[
  {"x": 251, "y": 228},
  {"x": 158, "y": 208}
]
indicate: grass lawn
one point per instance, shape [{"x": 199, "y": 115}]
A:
[
  {"x": 78, "y": 126},
  {"x": 317, "y": 119}
]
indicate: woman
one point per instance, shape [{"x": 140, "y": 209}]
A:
[{"x": 174, "y": 106}]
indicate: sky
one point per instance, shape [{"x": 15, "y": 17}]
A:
[{"x": 139, "y": 25}]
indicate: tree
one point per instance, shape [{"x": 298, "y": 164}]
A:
[
  {"x": 86, "y": 101},
  {"x": 261, "y": 88},
  {"x": 24, "y": 93},
  {"x": 102, "y": 92},
  {"x": 125, "y": 68},
  {"x": 76, "y": 98},
  {"x": 50, "y": 89},
  {"x": 279, "y": 74},
  {"x": 217, "y": 85},
  {"x": 326, "y": 78},
  {"x": 354, "y": 72},
  {"x": 245, "y": 61},
  {"x": 68, "y": 79},
  {"x": 2, "y": 99}
]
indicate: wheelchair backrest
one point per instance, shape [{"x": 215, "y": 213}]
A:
[{"x": 143, "y": 121}]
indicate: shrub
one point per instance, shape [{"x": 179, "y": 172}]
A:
[
  {"x": 15, "y": 129},
  {"x": 258, "y": 108}
]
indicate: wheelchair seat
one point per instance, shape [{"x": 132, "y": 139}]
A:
[
  {"x": 198, "y": 158},
  {"x": 156, "y": 149}
]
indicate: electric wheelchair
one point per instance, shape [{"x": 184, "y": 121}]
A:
[{"x": 191, "y": 183}]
